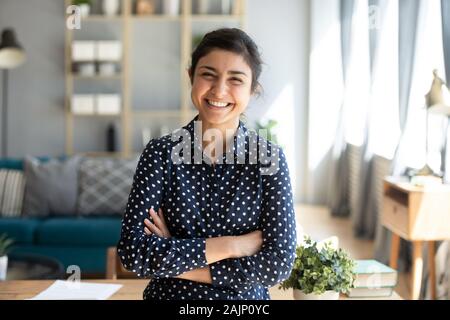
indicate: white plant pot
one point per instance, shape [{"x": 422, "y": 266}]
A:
[
  {"x": 171, "y": 7},
  {"x": 111, "y": 7},
  {"x": 327, "y": 295},
  {"x": 85, "y": 10},
  {"x": 3, "y": 267}
]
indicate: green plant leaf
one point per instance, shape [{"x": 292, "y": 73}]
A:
[
  {"x": 317, "y": 271},
  {"x": 5, "y": 244}
]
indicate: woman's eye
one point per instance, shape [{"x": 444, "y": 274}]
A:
[
  {"x": 208, "y": 75},
  {"x": 236, "y": 80}
]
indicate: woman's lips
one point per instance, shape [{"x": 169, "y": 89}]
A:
[{"x": 213, "y": 107}]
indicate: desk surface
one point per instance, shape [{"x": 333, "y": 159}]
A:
[{"x": 131, "y": 290}]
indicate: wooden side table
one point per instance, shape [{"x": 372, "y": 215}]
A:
[{"x": 420, "y": 215}]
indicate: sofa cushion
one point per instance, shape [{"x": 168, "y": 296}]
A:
[
  {"x": 21, "y": 230},
  {"x": 79, "y": 231},
  {"x": 51, "y": 187},
  {"x": 105, "y": 185}
]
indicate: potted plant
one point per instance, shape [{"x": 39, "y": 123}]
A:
[
  {"x": 320, "y": 272},
  {"x": 85, "y": 6},
  {"x": 5, "y": 246}
]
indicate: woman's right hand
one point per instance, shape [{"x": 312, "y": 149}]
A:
[
  {"x": 219, "y": 248},
  {"x": 247, "y": 244},
  {"x": 159, "y": 225}
]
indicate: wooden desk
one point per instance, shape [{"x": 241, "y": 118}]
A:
[
  {"x": 26, "y": 289},
  {"x": 131, "y": 290},
  {"x": 420, "y": 215}
]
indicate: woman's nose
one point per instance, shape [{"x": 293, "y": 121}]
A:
[{"x": 219, "y": 89}]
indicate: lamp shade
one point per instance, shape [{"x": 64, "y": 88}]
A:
[
  {"x": 12, "y": 54},
  {"x": 438, "y": 98}
]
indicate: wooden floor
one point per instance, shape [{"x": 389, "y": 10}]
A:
[{"x": 319, "y": 224}]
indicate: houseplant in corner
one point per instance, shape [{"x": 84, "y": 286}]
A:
[
  {"x": 320, "y": 272},
  {"x": 5, "y": 246},
  {"x": 269, "y": 128}
]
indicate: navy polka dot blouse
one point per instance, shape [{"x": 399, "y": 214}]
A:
[{"x": 201, "y": 200}]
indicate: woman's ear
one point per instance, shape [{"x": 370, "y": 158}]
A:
[
  {"x": 257, "y": 91},
  {"x": 191, "y": 76}
]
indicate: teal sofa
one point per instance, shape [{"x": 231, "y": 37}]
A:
[{"x": 81, "y": 241}]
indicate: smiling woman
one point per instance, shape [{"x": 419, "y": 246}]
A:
[
  {"x": 224, "y": 74},
  {"x": 214, "y": 229}
]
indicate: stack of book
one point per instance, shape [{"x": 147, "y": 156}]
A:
[{"x": 373, "y": 279}]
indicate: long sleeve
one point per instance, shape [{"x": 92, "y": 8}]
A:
[
  {"x": 274, "y": 262},
  {"x": 153, "y": 256}
]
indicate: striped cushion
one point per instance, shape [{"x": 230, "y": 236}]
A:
[{"x": 12, "y": 187}]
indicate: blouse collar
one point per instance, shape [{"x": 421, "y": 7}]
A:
[{"x": 240, "y": 143}]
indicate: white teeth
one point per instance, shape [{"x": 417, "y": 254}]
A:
[{"x": 218, "y": 104}]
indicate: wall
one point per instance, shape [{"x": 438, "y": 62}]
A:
[
  {"x": 36, "y": 95},
  {"x": 36, "y": 89},
  {"x": 281, "y": 29}
]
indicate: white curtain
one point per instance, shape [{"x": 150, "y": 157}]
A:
[{"x": 325, "y": 96}]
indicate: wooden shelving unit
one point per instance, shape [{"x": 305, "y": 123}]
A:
[{"x": 183, "y": 112}]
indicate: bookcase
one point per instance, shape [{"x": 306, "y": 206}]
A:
[{"x": 151, "y": 76}]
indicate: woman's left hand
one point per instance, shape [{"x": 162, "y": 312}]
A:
[{"x": 158, "y": 227}]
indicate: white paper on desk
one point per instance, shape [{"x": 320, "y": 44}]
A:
[{"x": 69, "y": 290}]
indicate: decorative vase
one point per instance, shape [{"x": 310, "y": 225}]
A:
[
  {"x": 111, "y": 138},
  {"x": 226, "y": 6},
  {"x": 111, "y": 7},
  {"x": 3, "y": 267},
  {"x": 85, "y": 10},
  {"x": 171, "y": 7},
  {"x": 327, "y": 295},
  {"x": 202, "y": 6}
]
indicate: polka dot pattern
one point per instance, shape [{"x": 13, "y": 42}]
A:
[{"x": 201, "y": 200}]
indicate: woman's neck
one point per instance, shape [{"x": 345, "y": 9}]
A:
[{"x": 227, "y": 131}]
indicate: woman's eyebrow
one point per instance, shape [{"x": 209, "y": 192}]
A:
[{"x": 229, "y": 72}]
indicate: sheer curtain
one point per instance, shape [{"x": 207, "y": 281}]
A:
[
  {"x": 338, "y": 192},
  {"x": 380, "y": 127},
  {"x": 325, "y": 102},
  {"x": 443, "y": 251},
  {"x": 408, "y": 13},
  {"x": 420, "y": 51}
]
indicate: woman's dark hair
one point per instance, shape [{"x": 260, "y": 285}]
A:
[{"x": 233, "y": 40}]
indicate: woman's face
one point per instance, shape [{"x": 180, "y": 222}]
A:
[{"x": 221, "y": 87}]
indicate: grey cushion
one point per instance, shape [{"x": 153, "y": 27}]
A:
[
  {"x": 105, "y": 185},
  {"x": 51, "y": 187}
]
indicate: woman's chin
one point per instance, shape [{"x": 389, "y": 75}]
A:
[{"x": 216, "y": 116}]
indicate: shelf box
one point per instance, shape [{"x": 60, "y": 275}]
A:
[
  {"x": 83, "y": 104},
  {"x": 83, "y": 51},
  {"x": 109, "y": 51},
  {"x": 108, "y": 104}
]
